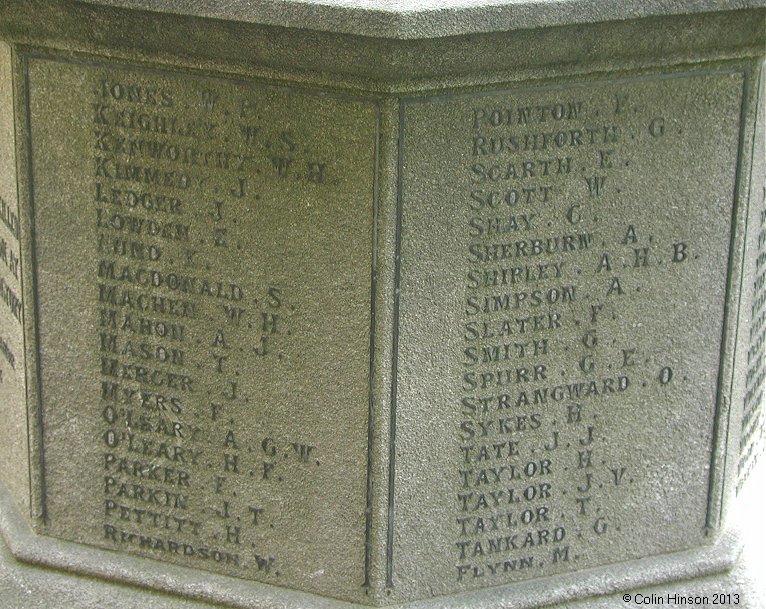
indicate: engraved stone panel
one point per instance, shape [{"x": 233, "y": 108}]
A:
[
  {"x": 753, "y": 436},
  {"x": 13, "y": 431},
  {"x": 203, "y": 292},
  {"x": 564, "y": 263}
]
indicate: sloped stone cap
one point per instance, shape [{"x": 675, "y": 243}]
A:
[{"x": 412, "y": 19}]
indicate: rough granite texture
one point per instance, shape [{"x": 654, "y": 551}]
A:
[{"x": 326, "y": 305}]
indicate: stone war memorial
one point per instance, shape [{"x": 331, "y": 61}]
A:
[{"x": 344, "y": 304}]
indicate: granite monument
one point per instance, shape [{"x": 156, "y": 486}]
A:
[{"x": 422, "y": 306}]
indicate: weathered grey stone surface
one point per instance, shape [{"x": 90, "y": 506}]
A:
[{"x": 346, "y": 305}]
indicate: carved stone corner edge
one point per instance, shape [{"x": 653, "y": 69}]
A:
[{"x": 27, "y": 547}]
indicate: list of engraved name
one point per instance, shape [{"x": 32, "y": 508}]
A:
[
  {"x": 179, "y": 322},
  {"x": 548, "y": 277}
]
